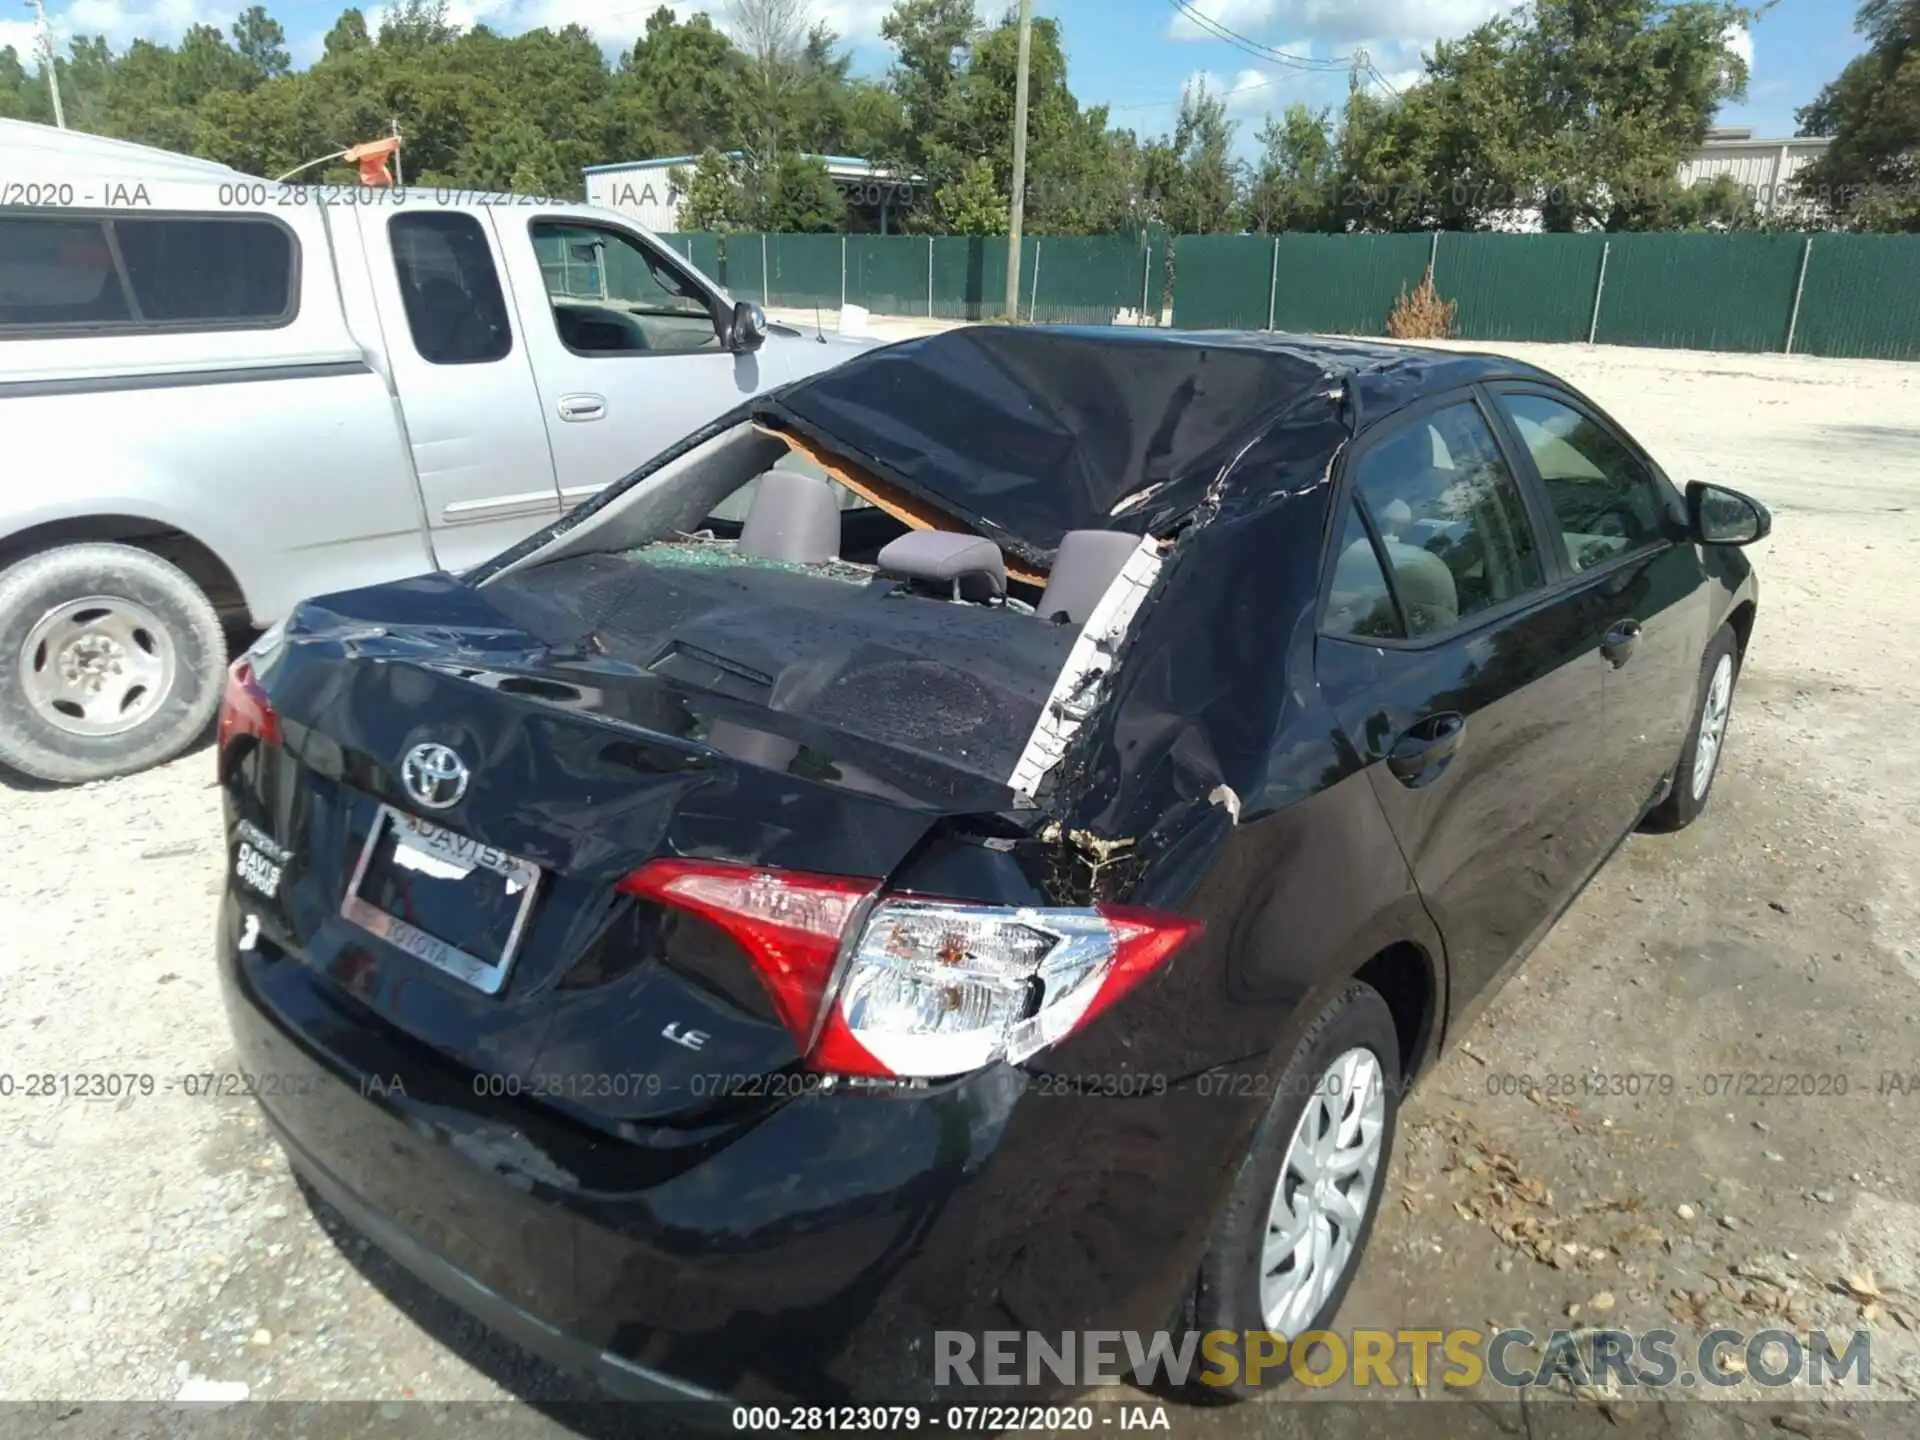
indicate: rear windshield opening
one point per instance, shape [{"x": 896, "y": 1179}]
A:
[{"x": 808, "y": 523}]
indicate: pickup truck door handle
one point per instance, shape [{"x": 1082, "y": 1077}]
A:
[
  {"x": 581, "y": 407},
  {"x": 1620, "y": 641},
  {"x": 1422, "y": 752}
]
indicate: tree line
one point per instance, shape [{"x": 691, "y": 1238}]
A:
[{"x": 1576, "y": 112}]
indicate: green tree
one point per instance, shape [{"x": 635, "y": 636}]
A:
[
  {"x": 349, "y": 33},
  {"x": 676, "y": 90},
  {"x": 1197, "y": 174},
  {"x": 1870, "y": 175},
  {"x": 712, "y": 193},
  {"x": 1294, "y": 183},
  {"x": 1578, "y": 111},
  {"x": 261, "y": 45},
  {"x": 804, "y": 197},
  {"x": 972, "y": 203}
]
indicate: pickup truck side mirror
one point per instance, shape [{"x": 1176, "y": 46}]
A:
[
  {"x": 1719, "y": 516},
  {"x": 744, "y": 328}
]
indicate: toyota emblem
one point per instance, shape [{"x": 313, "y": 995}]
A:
[{"x": 434, "y": 775}]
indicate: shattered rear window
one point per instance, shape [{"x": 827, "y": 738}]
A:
[{"x": 700, "y": 552}]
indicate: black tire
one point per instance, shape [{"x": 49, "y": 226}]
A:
[
  {"x": 29, "y": 589},
  {"x": 1226, "y": 1295},
  {"x": 1682, "y": 806}
]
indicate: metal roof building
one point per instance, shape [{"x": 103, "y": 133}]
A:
[{"x": 1763, "y": 168}]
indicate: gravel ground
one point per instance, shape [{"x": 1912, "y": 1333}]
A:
[{"x": 156, "y": 1242}]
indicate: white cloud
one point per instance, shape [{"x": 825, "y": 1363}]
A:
[
  {"x": 1337, "y": 24},
  {"x": 24, "y": 37},
  {"x": 163, "y": 21},
  {"x": 1740, "y": 41},
  {"x": 616, "y": 26},
  {"x": 1240, "y": 15}
]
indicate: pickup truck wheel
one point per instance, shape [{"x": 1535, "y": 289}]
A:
[{"x": 111, "y": 660}]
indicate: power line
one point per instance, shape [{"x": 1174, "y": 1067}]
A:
[{"x": 1253, "y": 47}]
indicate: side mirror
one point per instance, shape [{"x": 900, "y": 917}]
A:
[
  {"x": 745, "y": 328},
  {"x": 1718, "y": 516}
]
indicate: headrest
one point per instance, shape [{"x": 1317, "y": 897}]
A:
[
  {"x": 1086, "y": 563},
  {"x": 966, "y": 566},
  {"x": 793, "y": 517}
]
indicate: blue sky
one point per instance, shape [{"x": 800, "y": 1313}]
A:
[{"x": 1131, "y": 54}]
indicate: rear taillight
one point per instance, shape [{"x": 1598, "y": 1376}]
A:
[
  {"x": 898, "y": 987},
  {"x": 244, "y": 709}
]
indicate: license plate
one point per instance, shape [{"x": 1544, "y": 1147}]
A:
[
  {"x": 258, "y": 862},
  {"x": 443, "y": 897}
]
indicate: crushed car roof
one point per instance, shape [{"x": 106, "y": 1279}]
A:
[{"x": 1026, "y": 433}]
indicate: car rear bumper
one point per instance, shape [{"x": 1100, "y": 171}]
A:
[
  {"x": 620, "y": 1378},
  {"x": 809, "y": 1250}
]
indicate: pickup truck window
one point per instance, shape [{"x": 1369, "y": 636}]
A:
[
  {"x": 450, "y": 288},
  {"x": 145, "y": 272},
  {"x": 612, "y": 296}
]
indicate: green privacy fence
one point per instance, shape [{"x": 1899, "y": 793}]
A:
[
  {"x": 1841, "y": 295},
  {"x": 1083, "y": 280}
]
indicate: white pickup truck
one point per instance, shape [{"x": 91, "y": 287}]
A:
[{"x": 221, "y": 394}]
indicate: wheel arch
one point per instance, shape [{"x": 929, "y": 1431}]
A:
[
  {"x": 201, "y": 563},
  {"x": 1408, "y": 977},
  {"x": 1741, "y": 618},
  {"x": 1399, "y": 953}
]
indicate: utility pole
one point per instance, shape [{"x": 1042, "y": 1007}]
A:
[
  {"x": 1019, "y": 198},
  {"x": 399, "y": 176},
  {"x": 1360, "y": 62},
  {"x": 47, "y": 59}
]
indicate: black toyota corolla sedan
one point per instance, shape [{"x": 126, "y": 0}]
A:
[{"x": 975, "y": 840}]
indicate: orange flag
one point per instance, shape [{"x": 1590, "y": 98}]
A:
[{"x": 372, "y": 159}]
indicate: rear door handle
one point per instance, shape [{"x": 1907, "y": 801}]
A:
[
  {"x": 1620, "y": 641},
  {"x": 581, "y": 407},
  {"x": 1421, "y": 753}
]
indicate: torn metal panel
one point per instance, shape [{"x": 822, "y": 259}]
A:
[
  {"x": 1080, "y": 686},
  {"x": 1026, "y": 434}
]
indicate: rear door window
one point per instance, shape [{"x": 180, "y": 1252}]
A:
[
  {"x": 1450, "y": 516},
  {"x": 214, "y": 270},
  {"x": 148, "y": 272},
  {"x": 450, "y": 287},
  {"x": 1359, "y": 600}
]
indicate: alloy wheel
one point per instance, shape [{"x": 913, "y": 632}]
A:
[
  {"x": 1713, "y": 726},
  {"x": 1326, "y": 1183}
]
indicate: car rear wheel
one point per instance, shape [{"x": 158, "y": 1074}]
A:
[
  {"x": 113, "y": 661},
  {"x": 1288, "y": 1244},
  {"x": 1706, "y": 741}
]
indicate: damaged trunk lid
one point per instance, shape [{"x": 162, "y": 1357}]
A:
[{"x": 607, "y": 715}]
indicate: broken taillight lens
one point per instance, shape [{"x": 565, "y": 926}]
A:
[
  {"x": 244, "y": 708},
  {"x": 897, "y": 987}
]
